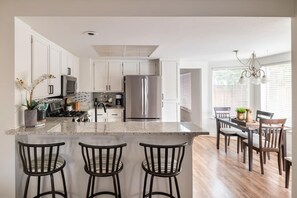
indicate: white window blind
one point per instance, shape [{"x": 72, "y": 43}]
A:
[
  {"x": 276, "y": 94},
  {"x": 226, "y": 91},
  {"x": 185, "y": 91}
]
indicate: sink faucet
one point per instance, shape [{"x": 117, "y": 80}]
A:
[{"x": 97, "y": 104}]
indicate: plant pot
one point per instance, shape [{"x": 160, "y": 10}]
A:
[
  {"x": 240, "y": 116},
  {"x": 30, "y": 118},
  {"x": 41, "y": 115}
]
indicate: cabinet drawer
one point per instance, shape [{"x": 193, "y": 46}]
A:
[{"x": 101, "y": 115}]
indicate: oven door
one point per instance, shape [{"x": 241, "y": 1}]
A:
[{"x": 68, "y": 85}]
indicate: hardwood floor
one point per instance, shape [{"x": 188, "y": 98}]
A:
[{"x": 219, "y": 175}]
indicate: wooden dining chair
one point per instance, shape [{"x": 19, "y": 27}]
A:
[
  {"x": 224, "y": 129},
  {"x": 263, "y": 114},
  {"x": 269, "y": 140}
]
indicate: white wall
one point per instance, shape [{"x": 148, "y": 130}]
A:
[{"x": 11, "y": 8}]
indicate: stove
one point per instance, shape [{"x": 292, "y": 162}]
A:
[{"x": 55, "y": 109}]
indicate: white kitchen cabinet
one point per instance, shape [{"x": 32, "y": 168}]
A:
[
  {"x": 108, "y": 76},
  {"x": 40, "y": 64},
  {"x": 86, "y": 74},
  {"x": 66, "y": 63},
  {"x": 111, "y": 115},
  {"x": 170, "y": 111},
  {"x": 130, "y": 68},
  {"x": 147, "y": 68},
  {"x": 55, "y": 69},
  {"x": 46, "y": 59}
]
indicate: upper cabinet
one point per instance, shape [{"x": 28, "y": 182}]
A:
[
  {"x": 170, "y": 78},
  {"x": 108, "y": 76},
  {"x": 55, "y": 69},
  {"x": 139, "y": 68},
  {"x": 70, "y": 64}
]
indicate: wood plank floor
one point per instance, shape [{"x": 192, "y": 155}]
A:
[{"x": 218, "y": 175}]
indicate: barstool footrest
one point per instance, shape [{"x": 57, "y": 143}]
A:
[
  {"x": 49, "y": 193},
  {"x": 159, "y": 193},
  {"x": 103, "y": 193}
]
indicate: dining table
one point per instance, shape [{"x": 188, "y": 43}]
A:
[{"x": 250, "y": 128}]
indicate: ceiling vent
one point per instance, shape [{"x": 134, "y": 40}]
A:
[{"x": 125, "y": 50}]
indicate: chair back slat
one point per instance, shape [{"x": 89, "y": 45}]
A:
[
  {"x": 164, "y": 159},
  {"x": 271, "y": 131},
  {"x": 263, "y": 114},
  {"x": 37, "y": 159},
  {"x": 102, "y": 160},
  {"x": 222, "y": 112}
]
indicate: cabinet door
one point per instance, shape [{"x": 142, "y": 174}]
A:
[
  {"x": 170, "y": 80},
  {"x": 40, "y": 60},
  {"x": 64, "y": 62},
  {"x": 115, "y": 77},
  {"x": 130, "y": 68},
  {"x": 54, "y": 69},
  {"x": 170, "y": 111},
  {"x": 147, "y": 68},
  {"x": 100, "y": 76}
]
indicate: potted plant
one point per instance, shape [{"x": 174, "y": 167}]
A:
[
  {"x": 241, "y": 113},
  {"x": 31, "y": 111}
]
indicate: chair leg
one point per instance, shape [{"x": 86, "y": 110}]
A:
[
  {"x": 170, "y": 186},
  {"x": 64, "y": 182},
  {"x": 244, "y": 153},
  {"x": 261, "y": 162},
  {"x": 238, "y": 139},
  {"x": 115, "y": 186},
  {"x": 119, "y": 186},
  {"x": 177, "y": 188},
  {"x": 144, "y": 185},
  {"x": 89, "y": 186},
  {"x": 26, "y": 187},
  {"x": 225, "y": 144},
  {"x": 287, "y": 173},
  {"x": 151, "y": 186},
  {"x": 279, "y": 163},
  {"x": 53, "y": 185},
  {"x": 93, "y": 185},
  {"x": 228, "y": 140},
  {"x": 264, "y": 157},
  {"x": 38, "y": 186},
  {"x": 218, "y": 141}
]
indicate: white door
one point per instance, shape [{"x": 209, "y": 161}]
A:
[
  {"x": 130, "y": 68},
  {"x": 170, "y": 80},
  {"x": 100, "y": 76},
  {"x": 55, "y": 69},
  {"x": 115, "y": 77},
  {"x": 40, "y": 60},
  {"x": 147, "y": 68}
]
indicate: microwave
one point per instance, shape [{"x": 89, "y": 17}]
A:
[{"x": 68, "y": 85}]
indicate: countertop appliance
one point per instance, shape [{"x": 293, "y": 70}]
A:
[
  {"x": 55, "y": 109},
  {"x": 142, "y": 98},
  {"x": 68, "y": 85}
]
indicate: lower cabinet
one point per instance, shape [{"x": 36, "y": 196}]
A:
[{"x": 111, "y": 115}]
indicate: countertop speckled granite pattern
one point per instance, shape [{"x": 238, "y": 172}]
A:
[{"x": 63, "y": 126}]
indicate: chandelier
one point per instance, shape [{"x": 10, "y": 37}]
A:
[{"x": 253, "y": 70}]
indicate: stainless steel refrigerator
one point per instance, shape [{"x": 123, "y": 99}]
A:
[{"x": 142, "y": 98}]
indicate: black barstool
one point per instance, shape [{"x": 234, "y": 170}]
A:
[
  {"x": 42, "y": 160},
  {"x": 103, "y": 161},
  {"x": 162, "y": 161}
]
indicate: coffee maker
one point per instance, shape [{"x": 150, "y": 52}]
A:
[{"x": 119, "y": 100}]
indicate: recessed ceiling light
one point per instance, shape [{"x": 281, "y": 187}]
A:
[{"x": 90, "y": 33}]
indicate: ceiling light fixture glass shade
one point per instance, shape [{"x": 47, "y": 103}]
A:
[{"x": 253, "y": 70}]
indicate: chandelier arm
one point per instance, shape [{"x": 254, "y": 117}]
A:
[{"x": 241, "y": 60}]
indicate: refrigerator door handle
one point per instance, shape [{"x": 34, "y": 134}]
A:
[
  {"x": 145, "y": 95},
  {"x": 142, "y": 96}
]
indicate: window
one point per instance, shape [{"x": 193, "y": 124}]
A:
[
  {"x": 276, "y": 94},
  {"x": 226, "y": 91},
  {"x": 185, "y": 91}
]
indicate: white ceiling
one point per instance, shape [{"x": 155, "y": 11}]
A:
[{"x": 197, "y": 38}]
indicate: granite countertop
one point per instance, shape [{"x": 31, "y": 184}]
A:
[{"x": 62, "y": 126}]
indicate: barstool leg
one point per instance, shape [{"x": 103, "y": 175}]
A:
[
  {"x": 89, "y": 186},
  {"x": 144, "y": 185},
  {"x": 26, "y": 187},
  {"x": 115, "y": 186},
  {"x": 53, "y": 185},
  {"x": 119, "y": 186},
  {"x": 93, "y": 185},
  {"x": 38, "y": 186},
  {"x": 151, "y": 186},
  {"x": 176, "y": 185},
  {"x": 64, "y": 183},
  {"x": 170, "y": 186}
]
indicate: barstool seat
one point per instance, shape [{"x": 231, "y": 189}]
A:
[
  {"x": 103, "y": 161},
  {"x": 41, "y": 160},
  {"x": 162, "y": 161}
]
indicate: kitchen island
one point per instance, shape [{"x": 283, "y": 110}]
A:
[{"x": 132, "y": 133}]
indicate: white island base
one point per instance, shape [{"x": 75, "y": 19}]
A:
[{"x": 132, "y": 176}]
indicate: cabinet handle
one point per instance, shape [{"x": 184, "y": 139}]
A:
[
  {"x": 114, "y": 114},
  {"x": 109, "y": 87},
  {"x": 106, "y": 87},
  {"x": 162, "y": 96},
  {"x": 52, "y": 89},
  {"x": 162, "y": 105},
  {"x": 49, "y": 89}
]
